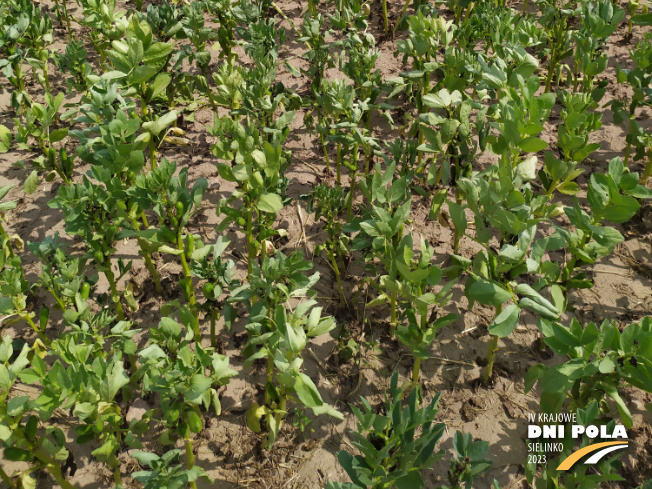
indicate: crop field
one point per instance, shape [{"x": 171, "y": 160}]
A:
[{"x": 346, "y": 244}]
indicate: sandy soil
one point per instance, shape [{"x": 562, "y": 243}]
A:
[{"x": 228, "y": 451}]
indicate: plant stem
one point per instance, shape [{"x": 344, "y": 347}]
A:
[
  {"x": 403, "y": 10},
  {"x": 6, "y": 479},
  {"x": 354, "y": 177},
  {"x": 4, "y": 233},
  {"x": 115, "y": 297},
  {"x": 491, "y": 354},
  {"x": 190, "y": 459},
  {"x": 648, "y": 169},
  {"x": 54, "y": 469},
  {"x": 152, "y": 154},
  {"x": 458, "y": 234},
  {"x": 385, "y": 19},
  {"x": 65, "y": 14},
  {"x": 45, "y": 75},
  {"x": 148, "y": 258},
  {"x": 40, "y": 334},
  {"x": 336, "y": 270},
  {"x": 117, "y": 477},
  {"x": 214, "y": 317},
  {"x": 392, "y": 309},
  {"x": 323, "y": 144},
  {"x": 415, "y": 370},
  {"x": 251, "y": 252},
  {"x": 551, "y": 68},
  {"x": 628, "y": 148},
  {"x": 58, "y": 299},
  {"x": 187, "y": 274},
  {"x": 269, "y": 378},
  {"x": 339, "y": 163}
]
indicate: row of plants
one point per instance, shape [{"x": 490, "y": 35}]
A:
[{"x": 472, "y": 86}]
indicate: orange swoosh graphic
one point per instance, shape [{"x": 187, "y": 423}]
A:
[{"x": 574, "y": 457}]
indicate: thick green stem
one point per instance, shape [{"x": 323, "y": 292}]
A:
[
  {"x": 469, "y": 9},
  {"x": 339, "y": 164},
  {"x": 354, "y": 178},
  {"x": 190, "y": 459},
  {"x": 648, "y": 170},
  {"x": 392, "y": 312},
  {"x": 251, "y": 252},
  {"x": 336, "y": 271},
  {"x": 117, "y": 476},
  {"x": 115, "y": 296},
  {"x": 152, "y": 154},
  {"x": 54, "y": 469},
  {"x": 45, "y": 75},
  {"x": 269, "y": 378},
  {"x": 40, "y": 334},
  {"x": 403, "y": 10},
  {"x": 323, "y": 145},
  {"x": 148, "y": 258},
  {"x": 458, "y": 233},
  {"x": 187, "y": 274},
  {"x": 214, "y": 316},
  {"x": 65, "y": 14},
  {"x": 551, "y": 69},
  {"x": 385, "y": 19},
  {"x": 491, "y": 354},
  {"x": 552, "y": 188},
  {"x": 628, "y": 148},
  {"x": 58, "y": 299},
  {"x": 415, "y": 370},
  {"x": 6, "y": 479},
  {"x": 281, "y": 410},
  {"x": 10, "y": 247}
]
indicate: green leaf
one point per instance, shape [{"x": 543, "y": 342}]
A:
[
  {"x": 160, "y": 124},
  {"x": 159, "y": 85},
  {"x": 642, "y": 19},
  {"x": 17, "y": 405},
  {"x": 5, "y": 139},
  {"x": 506, "y": 321},
  {"x": 58, "y": 134},
  {"x": 106, "y": 452},
  {"x": 254, "y": 415},
  {"x": 198, "y": 385},
  {"x": 270, "y": 203},
  {"x": 532, "y": 145},
  {"x": 307, "y": 391},
  {"x": 569, "y": 188},
  {"x": 527, "y": 169},
  {"x": 293, "y": 71},
  {"x": 411, "y": 480},
  {"x": 142, "y": 74},
  {"x": 31, "y": 182},
  {"x": 17, "y": 454},
  {"x": 115, "y": 381},
  {"x": 458, "y": 216},
  {"x": 488, "y": 292},
  {"x": 623, "y": 410},
  {"x": 113, "y": 75}
]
